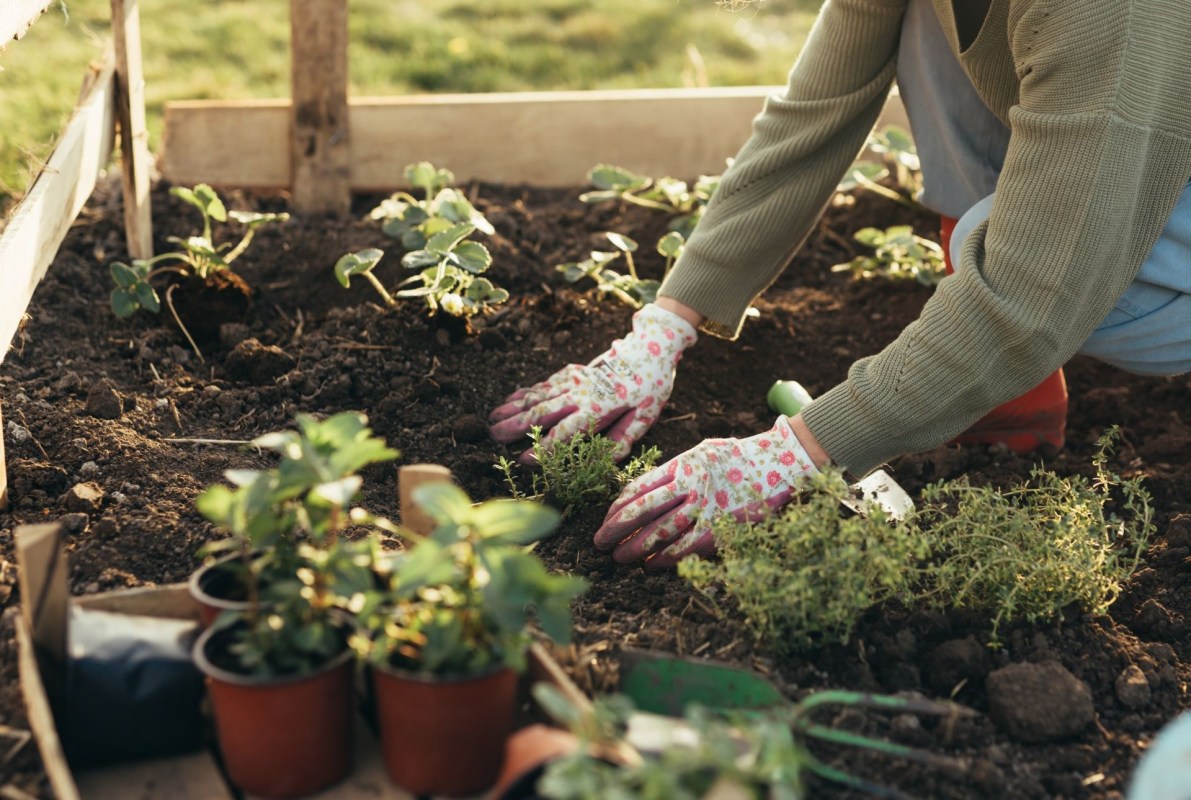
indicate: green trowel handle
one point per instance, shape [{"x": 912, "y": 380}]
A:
[{"x": 787, "y": 397}]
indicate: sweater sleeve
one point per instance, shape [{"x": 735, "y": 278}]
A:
[
  {"x": 1098, "y": 155},
  {"x": 802, "y": 143}
]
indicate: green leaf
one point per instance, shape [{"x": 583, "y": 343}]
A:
[
  {"x": 671, "y": 244},
  {"x": 125, "y": 276},
  {"x": 210, "y": 203},
  {"x": 572, "y": 272},
  {"x": 147, "y": 297},
  {"x": 471, "y": 256},
  {"x": 217, "y": 504},
  {"x": 872, "y": 237},
  {"x": 443, "y": 242},
  {"x": 124, "y": 303},
  {"x": 646, "y": 291},
  {"x": 443, "y": 502},
  {"x": 621, "y": 242},
  {"x": 340, "y": 492},
  {"x": 599, "y": 197},
  {"x": 608, "y": 176},
  {"x": 862, "y": 171},
  {"x": 356, "y": 263},
  {"x": 420, "y": 259},
  {"x": 513, "y": 521},
  {"x": 254, "y": 219}
]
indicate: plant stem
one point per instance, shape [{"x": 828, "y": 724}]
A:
[
  {"x": 872, "y": 186},
  {"x": 241, "y": 247},
  {"x": 170, "y": 304},
  {"x": 376, "y": 284}
]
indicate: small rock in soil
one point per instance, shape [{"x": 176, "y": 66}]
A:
[
  {"x": 84, "y": 498},
  {"x": 258, "y": 363},
  {"x": 1155, "y": 620},
  {"x": 954, "y": 661},
  {"x": 1036, "y": 703},
  {"x": 106, "y": 528},
  {"x": 17, "y": 434},
  {"x": 104, "y": 402},
  {"x": 89, "y": 469},
  {"x": 1179, "y": 532},
  {"x": 1132, "y": 688},
  {"x": 74, "y": 523},
  {"x": 469, "y": 428}
]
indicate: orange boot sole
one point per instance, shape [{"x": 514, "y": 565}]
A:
[{"x": 1037, "y": 418}]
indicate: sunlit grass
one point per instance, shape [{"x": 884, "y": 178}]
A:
[{"x": 240, "y": 49}]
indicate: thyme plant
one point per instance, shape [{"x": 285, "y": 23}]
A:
[
  {"x": 807, "y": 574},
  {"x": 1037, "y": 548}
]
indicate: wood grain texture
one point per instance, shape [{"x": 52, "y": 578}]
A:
[
  {"x": 320, "y": 139},
  {"x": 135, "y": 163}
]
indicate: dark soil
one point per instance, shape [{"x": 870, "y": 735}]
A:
[{"x": 90, "y": 399}]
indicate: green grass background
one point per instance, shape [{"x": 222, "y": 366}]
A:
[{"x": 226, "y": 49}]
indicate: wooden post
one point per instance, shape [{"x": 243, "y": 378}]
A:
[
  {"x": 130, "y": 120},
  {"x": 409, "y": 478},
  {"x": 320, "y": 141}
]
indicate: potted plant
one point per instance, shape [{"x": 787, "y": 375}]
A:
[
  {"x": 449, "y": 632},
  {"x": 280, "y": 671}
]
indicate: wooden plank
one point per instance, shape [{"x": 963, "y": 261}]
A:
[
  {"x": 39, "y": 223},
  {"x": 134, "y": 135},
  {"x": 172, "y": 601},
  {"x": 320, "y": 138},
  {"x": 17, "y": 16},
  {"x": 3, "y": 470},
  {"x": 45, "y": 590},
  {"x": 410, "y": 477},
  {"x": 552, "y": 138},
  {"x": 41, "y": 718},
  {"x": 190, "y": 777}
]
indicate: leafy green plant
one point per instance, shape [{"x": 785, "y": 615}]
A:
[
  {"x": 449, "y": 275},
  {"x": 664, "y": 194},
  {"x": 414, "y": 221},
  {"x": 899, "y": 159},
  {"x": 460, "y": 601},
  {"x": 806, "y": 575},
  {"x": 578, "y": 472},
  {"x": 435, "y": 231},
  {"x": 899, "y": 253},
  {"x": 710, "y": 754},
  {"x": 1035, "y": 549},
  {"x": 198, "y": 257},
  {"x": 630, "y": 289},
  {"x": 285, "y": 524}
]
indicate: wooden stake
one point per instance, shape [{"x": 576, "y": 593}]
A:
[
  {"x": 320, "y": 142},
  {"x": 410, "y": 477},
  {"x": 130, "y": 121}
]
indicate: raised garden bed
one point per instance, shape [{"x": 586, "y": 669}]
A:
[{"x": 125, "y": 405}]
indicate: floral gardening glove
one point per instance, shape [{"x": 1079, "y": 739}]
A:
[
  {"x": 621, "y": 391},
  {"x": 665, "y": 515}
]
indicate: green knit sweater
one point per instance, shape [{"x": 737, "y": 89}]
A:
[{"x": 1097, "y": 94}]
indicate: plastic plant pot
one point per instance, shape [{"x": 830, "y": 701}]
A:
[
  {"x": 444, "y": 735},
  {"x": 214, "y": 587},
  {"x": 280, "y": 737},
  {"x": 528, "y": 752}
]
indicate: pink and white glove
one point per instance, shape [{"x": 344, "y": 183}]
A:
[
  {"x": 621, "y": 392},
  {"x": 666, "y": 514}
]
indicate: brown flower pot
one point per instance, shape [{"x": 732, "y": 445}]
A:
[
  {"x": 527, "y": 754},
  {"x": 280, "y": 737},
  {"x": 216, "y": 588},
  {"x": 444, "y": 736}
]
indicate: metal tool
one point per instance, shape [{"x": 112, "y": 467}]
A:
[{"x": 879, "y": 488}]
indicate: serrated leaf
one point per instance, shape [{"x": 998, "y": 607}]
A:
[
  {"x": 441, "y": 243},
  {"x": 357, "y": 263},
  {"x": 671, "y": 244},
  {"x": 471, "y": 256}
]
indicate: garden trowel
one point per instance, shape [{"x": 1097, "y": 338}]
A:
[{"x": 879, "y": 488}]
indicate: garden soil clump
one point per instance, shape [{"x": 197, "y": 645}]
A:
[{"x": 109, "y": 424}]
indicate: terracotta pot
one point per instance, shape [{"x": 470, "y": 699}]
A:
[
  {"x": 527, "y": 754},
  {"x": 280, "y": 737},
  {"x": 214, "y": 586},
  {"x": 444, "y": 736}
]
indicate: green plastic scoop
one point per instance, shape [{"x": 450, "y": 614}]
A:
[{"x": 664, "y": 684}]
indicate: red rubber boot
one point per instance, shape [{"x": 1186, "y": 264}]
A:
[{"x": 1037, "y": 418}]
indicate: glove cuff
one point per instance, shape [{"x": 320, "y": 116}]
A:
[
  {"x": 794, "y": 459},
  {"x": 670, "y": 332}
]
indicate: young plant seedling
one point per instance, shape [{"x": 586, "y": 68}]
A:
[
  {"x": 414, "y": 222},
  {"x": 664, "y": 194},
  {"x": 579, "y": 472},
  {"x": 198, "y": 257},
  {"x": 898, "y": 253},
  {"x": 449, "y": 269},
  {"x": 630, "y": 289},
  {"x": 899, "y": 157}
]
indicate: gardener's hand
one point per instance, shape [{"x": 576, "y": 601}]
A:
[
  {"x": 621, "y": 392},
  {"x": 666, "y": 514}
]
